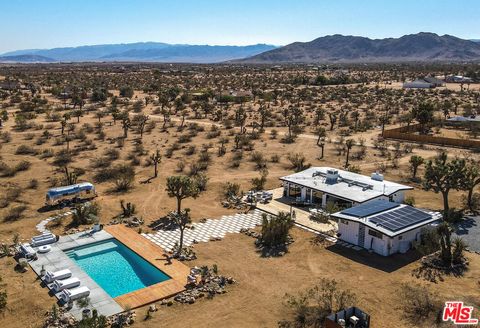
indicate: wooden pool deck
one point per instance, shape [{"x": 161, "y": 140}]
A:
[{"x": 154, "y": 255}]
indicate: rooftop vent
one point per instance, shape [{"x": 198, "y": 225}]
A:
[
  {"x": 332, "y": 176},
  {"x": 377, "y": 176}
]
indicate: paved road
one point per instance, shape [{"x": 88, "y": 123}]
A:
[{"x": 469, "y": 231}]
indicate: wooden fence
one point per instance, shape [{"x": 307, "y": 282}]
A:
[{"x": 407, "y": 133}]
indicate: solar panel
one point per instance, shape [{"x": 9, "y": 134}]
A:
[
  {"x": 400, "y": 218},
  {"x": 370, "y": 208}
]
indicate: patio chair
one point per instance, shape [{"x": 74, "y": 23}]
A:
[
  {"x": 57, "y": 275},
  {"x": 27, "y": 251},
  {"x": 68, "y": 295},
  {"x": 59, "y": 285}
]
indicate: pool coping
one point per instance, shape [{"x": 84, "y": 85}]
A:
[{"x": 153, "y": 254}]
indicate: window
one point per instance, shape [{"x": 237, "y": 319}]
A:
[
  {"x": 375, "y": 233},
  {"x": 294, "y": 191},
  {"x": 317, "y": 197},
  {"x": 344, "y": 221},
  {"x": 400, "y": 237}
]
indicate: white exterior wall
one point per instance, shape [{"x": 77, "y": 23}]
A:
[
  {"x": 385, "y": 246},
  {"x": 349, "y": 232}
]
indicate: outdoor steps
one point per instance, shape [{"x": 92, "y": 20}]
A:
[{"x": 204, "y": 232}]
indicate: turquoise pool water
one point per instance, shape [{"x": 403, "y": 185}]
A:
[{"x": 115, "y": 267}]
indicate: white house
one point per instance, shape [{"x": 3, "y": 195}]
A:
[
  {"x": 319, "y": 185},
  {"x": 384, "y": 227}
]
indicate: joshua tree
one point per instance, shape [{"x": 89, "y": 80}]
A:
[
  {"x": 140, "y": 121},
  {"x": 182, "y": 187},
  {"x": 85, "y": 213},
  {"x": 156, "y": 158},
  {"x": 442, "y": 175},
  {"x": 181, "y": 219},
  {"x": 415, "y": 162},
  {"x": 349, "y": 143},
  {"x": 333, "y": 120},
  {"x": 78, "y": 113},
  {"x": 128, "y": 209},
  {"x": 125, "y": 125},
  {"x": 470, "y": 181},
  {"x": 70, "y": 177}
]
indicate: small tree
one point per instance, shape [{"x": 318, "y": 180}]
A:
[
  {"x": 156, "y": 158},
  {"x": 415, "y": 162},
  {"x": 182, "y": 187}
]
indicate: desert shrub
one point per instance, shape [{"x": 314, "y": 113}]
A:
[
  {"x": 235, "y": 164},
  {"x": 184, "y": 138},
  {"x": 190, "y": 150},
  {"x": 15, "y": 213},
  {"x": 22, "y": 166},
  {"x": 298, "y": 162},
  {"x": 231, "y": 189},
  {"x": 275, "y": 229},
  {"x": 259, "y": 183},
  {"x": 180, "y": 166},
  {"x": 169, "y": 152},
  {"x": 100, "y": 162},
  {"x": 275, "y": 158},
  {"x": 201, "y": 179},
  {"x": 259, "y": 160},
  {"x": 85, "y": 213},
  {"x": 25, "y": 150},
  {"x": 311, "y": 307},
  {"x": 62, "y": 158},
  {"x": 410, "y": 200},
  {"x": 6, "y": 137},
  {"x": 418, "y": 303},
  {"x": 32, "y": 184}
]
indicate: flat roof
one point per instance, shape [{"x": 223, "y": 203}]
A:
[
  {"x": 392, "y": 220},
  {"x": 352, "y": 186}
]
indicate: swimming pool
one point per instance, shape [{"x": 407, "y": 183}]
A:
[{"x": 115, "y": 267}]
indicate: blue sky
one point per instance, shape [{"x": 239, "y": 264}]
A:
[{"x": 26, "y": 24}]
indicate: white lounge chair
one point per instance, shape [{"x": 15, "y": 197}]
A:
[
  {"x": 46, "y": 234},
  {"x": 58, "y": 275},
  {"x": 68, "y": 295},
  {"x": 27, "y": 251},
  {"x": 59, "y": 285},
  {"x": 44, "y": 240}
]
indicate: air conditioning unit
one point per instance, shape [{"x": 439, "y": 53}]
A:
[
  {"x": 341, "y": 322},
  {"x": 377, "y": 176}
]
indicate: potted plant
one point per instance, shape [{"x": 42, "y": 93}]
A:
[{"x": 42, "y": 271}]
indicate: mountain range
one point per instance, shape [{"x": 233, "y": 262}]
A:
[
  {"x": 355, "y": 49},
  {"x": 139, "y": 52},
  {"x": 337, "y": 48}
]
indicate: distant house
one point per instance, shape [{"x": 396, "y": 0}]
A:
[
  {"x": 236, "y": 95},
  {"x": 458, "y": 79},
  {"x": 351, "y": 317},
  {"x": 9, "y": 85},
  {"x": 383, "y": 227},
  {"x": 434, "y": 81},
  {"x": 423, "y": 83},
  {"x": 319, "y": 185}
]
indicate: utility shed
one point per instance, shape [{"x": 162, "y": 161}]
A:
[{"x": 383, "y": 227}]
